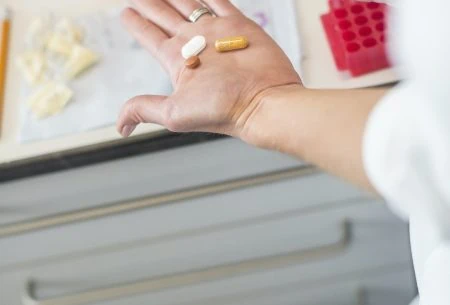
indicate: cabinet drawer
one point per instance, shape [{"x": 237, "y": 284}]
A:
[
  {"x": 377, "y": 287},
  {"x": 295, "y": 195},
  {"x": 306, "y": 247},
  {"x": 135, "y": 177}
]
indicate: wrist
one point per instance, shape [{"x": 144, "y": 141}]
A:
[{"x": 263, "y": 127}]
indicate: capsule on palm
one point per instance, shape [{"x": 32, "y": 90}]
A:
[{"x": 231, "y": 44}]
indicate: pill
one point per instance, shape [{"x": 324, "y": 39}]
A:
[
  {"x": 194, "y": 47},
  {"x": 192, "y": 62},
  {"x": 231, "y": 44}
]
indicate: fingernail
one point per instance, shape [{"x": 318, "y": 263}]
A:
[{"x": 127, "y": 130}]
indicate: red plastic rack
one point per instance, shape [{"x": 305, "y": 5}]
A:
[{"x": 356, "y": 32}]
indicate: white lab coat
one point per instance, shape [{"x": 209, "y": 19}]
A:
[{"x": 407, "y": 140}]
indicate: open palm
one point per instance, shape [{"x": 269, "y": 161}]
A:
[{"x": 221, "y": 95}]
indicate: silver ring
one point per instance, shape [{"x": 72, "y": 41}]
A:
[{"x": 198, "y": 13}]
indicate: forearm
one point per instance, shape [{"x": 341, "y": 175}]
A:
[{"x": 322, "y": 127}]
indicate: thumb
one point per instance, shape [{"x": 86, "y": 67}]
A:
[{"x": 141, "y": 109}]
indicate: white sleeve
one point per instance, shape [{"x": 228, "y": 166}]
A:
[
  {"x": 407, "y": 151},
  {"x": 436, "y": 290},
  {"x": 407, "y": 157},
  {"x": 407, "y": 141}
]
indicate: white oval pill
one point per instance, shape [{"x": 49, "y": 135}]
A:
[{"x": 194, "y": 47}]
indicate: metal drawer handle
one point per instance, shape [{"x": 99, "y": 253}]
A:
[
  {"x": 195, "y": 276},
  {"x": 153, "y": 201}
]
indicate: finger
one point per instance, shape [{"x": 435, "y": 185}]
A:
[
  {"x": 148, "y": 34},
  {"x": 141, "y": 109},
  {"x": 161, "y": 14},
  {"x": 222, "y": 7},
  {"x": 187, "y": 7}
]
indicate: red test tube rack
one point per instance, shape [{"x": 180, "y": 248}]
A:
[{"x": 356, "y": 33}]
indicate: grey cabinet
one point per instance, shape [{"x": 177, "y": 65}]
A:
[{"x": 245, "y": 227}]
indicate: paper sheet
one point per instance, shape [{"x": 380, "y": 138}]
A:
[{"x": 127, "y": 70}]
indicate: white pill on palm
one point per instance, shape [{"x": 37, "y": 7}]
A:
[{"x": 194, "y": 47}]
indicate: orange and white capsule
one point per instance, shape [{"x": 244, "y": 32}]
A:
[{"x": 231, "y": 44}]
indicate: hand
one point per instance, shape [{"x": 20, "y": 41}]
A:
[{"x": 224, "y": 93}]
